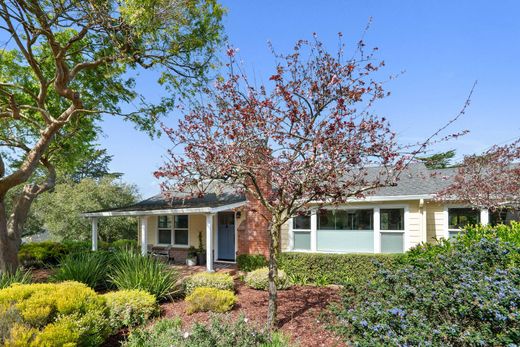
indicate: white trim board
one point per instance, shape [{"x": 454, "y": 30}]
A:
[{"x": 196, "y": 210}]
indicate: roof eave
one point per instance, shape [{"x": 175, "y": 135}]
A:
[{"x": 156, "y": 212}]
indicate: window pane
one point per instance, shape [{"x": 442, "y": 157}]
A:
[
  {"x": 392, "y": 219},
  {"x": 164, "y": 222},
  {"x": 181, "y": 221},
  {"x": 165, "y": 237},
  {"x": 355, "y": 241},
  {"x": 181, "y": 237},
  {"x": 392, "y": 242},
  {"x": 363, "y": 220},
  {"x": 460, "y": 217},
  {"x": 504, "y": 216},
  {"x": 345, "y": 220},
  {"x": 302, "y": 222},
  {"x": 326, "y": 220},
  {"x": 302, "y": 240}
]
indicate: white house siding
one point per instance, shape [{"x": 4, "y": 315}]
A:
[
  {"x": 285, "y": 236},
  {"x": 434, "y": 221}
]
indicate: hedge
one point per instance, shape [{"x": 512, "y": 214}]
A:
[
  {"x": 250, "y": 262},
  {"x": 323, "y": 268}
]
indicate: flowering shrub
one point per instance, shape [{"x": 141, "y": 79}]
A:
[
  {"x": 258, "y": 279},
  {"x": 219, "y": 333},
  {"x": 206, "y": 279},
  {"x": 130, "y": 308},
  {"x": 466, "y": 295},
  {"x": 210, "y": 299}
]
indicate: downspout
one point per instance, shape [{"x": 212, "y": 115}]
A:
[{"x": 422, "y": 209}]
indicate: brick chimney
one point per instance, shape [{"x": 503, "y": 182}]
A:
[{"x": 253, "y": 233}]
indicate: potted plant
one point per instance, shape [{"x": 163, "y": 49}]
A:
[
  {"x": 201, "y": 252},
  {"x": 191, "y": 260}
]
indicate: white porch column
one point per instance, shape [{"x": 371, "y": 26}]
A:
[
  {"x": 377, "y": 230},
  {"x": 94, "y": 234},
  {"x": 314, "y": 230},
  {"x": 484, "y": 216},
  {"x": 144, "y": 235},
  {"x": 209, "y": 242}
]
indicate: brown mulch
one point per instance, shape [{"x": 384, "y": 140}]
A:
[
  {"x": 41, "y": 275},
  {"x": 299, "y": 312}
]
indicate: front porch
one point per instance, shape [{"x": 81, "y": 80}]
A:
[{"x": 175, "y": 230}]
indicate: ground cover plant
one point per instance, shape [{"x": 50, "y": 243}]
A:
[
  {"x": 220, "y": 332},
  {"x": 462, "y": 292}
]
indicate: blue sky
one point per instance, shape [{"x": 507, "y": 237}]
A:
[{"x": 443, "y": 47}]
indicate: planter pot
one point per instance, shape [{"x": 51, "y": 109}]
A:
[
  {"x": 191, "y": 261},
  {"x": 201, "y": 258}
]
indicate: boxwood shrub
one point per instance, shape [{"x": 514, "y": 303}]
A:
[
  {"x": 259, "y": 279},
  {"x": 210, "y": 299},
  {"x": 323, "y": 268},
  {"x": 130, "y": 308}
]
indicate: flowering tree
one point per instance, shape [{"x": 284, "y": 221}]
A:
[
  {"x": 307, "y": 138},
  {"x": 490, "y": 180}
]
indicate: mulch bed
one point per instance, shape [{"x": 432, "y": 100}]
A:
[{"x": 299, "y": 312}]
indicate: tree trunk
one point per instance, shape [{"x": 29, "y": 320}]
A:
[
  {"x": 9, "y": 244},
  {"x": 274, "y": 249}
]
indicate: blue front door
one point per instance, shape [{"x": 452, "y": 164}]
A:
[{"x": 226, "y": 236}]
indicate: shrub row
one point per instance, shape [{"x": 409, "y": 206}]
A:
[
  {"x": 67, "y": 313},
  {"x": 38, "y": 254},
  {"x": 323, "y": 269},
  {"x": 220, "y": 332},
  {"x": 250, "y": 262}
]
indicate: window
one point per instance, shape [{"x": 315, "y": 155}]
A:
[
  {"x": 392, "y": 230},
  {"x": 345, "y": 231},
  {"x": 392, "y": 242},
  {"x": 345, "y": 220},
  {"x": 392, "y": 219},
  {"x": 179, "y": 232},
  {"x": 164, "y": 226},
  {"x": 504, "y": 216},
  {"x": 460, "y": 217},
  {"x": 302, "y": 232}
]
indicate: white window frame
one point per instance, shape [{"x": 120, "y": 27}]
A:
[
  {"x": 375, "y": 220},
  {"x": 172, "y": 231},
  {"x": 404, "y": 232},
  {"x": 292, "y": 231},
  {"x": 484, "y": 217}
]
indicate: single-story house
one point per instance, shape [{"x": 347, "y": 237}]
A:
[{"x": 390, "y": 220}]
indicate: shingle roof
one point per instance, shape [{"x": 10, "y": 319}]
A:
[{"x": 415, "y": 180}]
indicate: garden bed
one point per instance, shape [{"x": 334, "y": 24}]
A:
[{"x": 299, "y": 312}]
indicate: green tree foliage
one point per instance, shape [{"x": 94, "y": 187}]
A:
[
  {"x": 440, "y": 160},
  {"x": 60, "y": 211},
  {"x": 65, "y": 64}
]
